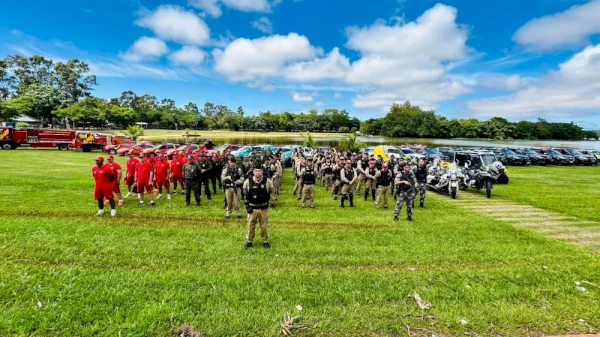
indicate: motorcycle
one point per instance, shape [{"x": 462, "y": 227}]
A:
[
  {"x": 477, "y": 178},
  {"x": 444, "y": 180},
  {"x": 498, "y": 172}
]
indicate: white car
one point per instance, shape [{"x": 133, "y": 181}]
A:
[{"x": 411, "y": 154}]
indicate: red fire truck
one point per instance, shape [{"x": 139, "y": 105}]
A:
[
  {"x": 88, "y": 141},
  {"x": 11, "y": 138}
]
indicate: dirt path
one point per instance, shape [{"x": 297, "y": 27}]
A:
[{"x": 551, "y": 224}]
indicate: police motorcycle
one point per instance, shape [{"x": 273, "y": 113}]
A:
[
  {"x": 477, "y": 175},
  {"x": 444, "y": 179}
]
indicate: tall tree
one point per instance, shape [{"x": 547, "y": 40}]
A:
[{"x": 74, "y": 80}]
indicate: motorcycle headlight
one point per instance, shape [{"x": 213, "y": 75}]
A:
[{"x": 453, "y": 176}]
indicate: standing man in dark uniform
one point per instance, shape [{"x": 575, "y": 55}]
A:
[
  {"x": 405, "y": 182},
  {"x": 258, "y": 189},
  {"x": 309, "y": 178},
  {"x": 205, "y": 170},
  {"x": 384, "y": 178},
  {"x": 190, "y": 176},
  {"x": 215, "y": 174},
  {"x": 348, "y": 176},
  {"x": 370, "y": 180},
  {"x": 421, "y": 175}
]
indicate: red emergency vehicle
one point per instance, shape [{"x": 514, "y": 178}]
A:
[
  {"x": 11, "y": 138},
  {"x": 88, "y": 140}
]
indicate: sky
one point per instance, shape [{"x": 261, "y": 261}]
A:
[{"x": 517, "y": 59}]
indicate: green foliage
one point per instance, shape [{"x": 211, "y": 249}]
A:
[
  {"x": 309, "y": 141},
  {"x": 351, "y": 144},
  {"x": 591, "y": 135},
  {"x": 135, "y": 131},
  {"x": 22, "y": 125}
]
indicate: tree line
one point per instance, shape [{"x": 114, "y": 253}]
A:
[{"x": 59, "y": 93}]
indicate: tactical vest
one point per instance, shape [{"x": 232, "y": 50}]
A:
[
  {"x": 309, "y": 177},
  {"x": 349, "y": 174},
  {"x": 336, "y": 172},
  {"x": 364, "y": 165},
  {"x": 190, "y": 171},
  {"x": 258, "y": 195},
  {"x": 421, "y": 173},
  {"x": 385, "y": 178},
  {"x": 327, "y": 169},
  {"x": 234, "y": 173},
  {"x": 407, "y": 177},
  {"x": 372, "y": 171},
  {"x": 267, "y": 171}
]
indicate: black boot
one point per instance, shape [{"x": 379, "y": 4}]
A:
[
  {"x": 366, "y": 194},
  {"x": 422, "y": 204},
  {"x": 342, "y": 202},
  {"x": 410, "y": 218},
  {"x": 351, "y": 196},
  {"x": 373, "y": 194}
]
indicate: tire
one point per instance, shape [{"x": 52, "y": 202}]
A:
[
  {"x": 488, "y": 188},
  {"x": 86, "y": 149},
  {"x": 112, "y": 151},
  {"x": 453, "y": 192},
  {"x": 7, "y": 146},
  {"x": 63, "y": 147}
]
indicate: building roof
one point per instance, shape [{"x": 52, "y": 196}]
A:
[{"x": 26, "y": 119}]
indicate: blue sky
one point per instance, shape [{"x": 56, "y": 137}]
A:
[{"x": 515, "y": 59}]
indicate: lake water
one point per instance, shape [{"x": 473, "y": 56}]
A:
[{"x": 334, "y": 140}]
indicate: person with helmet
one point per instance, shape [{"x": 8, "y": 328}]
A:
[
  {"x": 406, "y": 183},
  {"x": 118, "y": 175},
  {"x": 205, "y": 168},
  {"x": 384, "y": 178},
  {"x": 163, "y": 172},
  {"x": 104, "y": 180},
  {"x": 191, "y": 180},
  {"x": 177, "y": 163},
  {"x": 348, "y": 176},
  {"x": 370, "y": 180},
  {"x": 233, "y": 178},
  {"x": 130, "y": 173},
  {"x": 144, "y": 176},
  {"x": 258, "y": 191},
  {"x": 308, "y": 176}
]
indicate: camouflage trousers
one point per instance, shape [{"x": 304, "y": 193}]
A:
[
  {"x": 422, "y": 191},
  {"x": 404, "y": 197}
]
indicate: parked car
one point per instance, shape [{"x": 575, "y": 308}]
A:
[
  {"x": 287, "y": 154},
  {"x": 547, "y": 157},
  {"x": 160, "y": 148},
  {"x": 136, "y": 149},
  {"x": 446, "y": 151},
  {"x": 227, "y": 148},
  {"x": 245, "y": 151},
  {"x": 431, "y": 154},
  {"x": 512, "y": 158},
  {"x": 559, "y": 158},
  {"x": 410, "y": 154},
  {"x": 112, "y": 149},
  {"x": 186, "y": 148},
  {"x": 579, "y": 158},
  {"x": 533, "y": 157},
  {"x": 594, "y": 153}
]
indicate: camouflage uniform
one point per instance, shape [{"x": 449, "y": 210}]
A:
[{"x": 405, "y": 194}]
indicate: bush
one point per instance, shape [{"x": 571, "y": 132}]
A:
[
  {"x": 344, "y": 129},
  {"x": 135, "y": 131},
  {"x": 22, "y": 125}
]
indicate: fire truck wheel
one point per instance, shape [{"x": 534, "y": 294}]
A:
[
  {"x": 7, "y": 146},
  {"x": 63, "y": 147}
]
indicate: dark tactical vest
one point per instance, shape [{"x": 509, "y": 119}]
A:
[
  {"x": 336, "y": 172},
  {"x": 385, "y": 178},
  {"x": 421, "y": 173},
  {"x": 364, "y": 165},
  {"x": 190, "y": 171},
  {"x": 349, "y": 173},
  {"x": 234, "y": 173},
  {"x": 327, "y": 169},
  {"x": 258, "y": 195},
  {"x": 410, "y": 177},
  {"x": 371, "y": 171},
  {"x": 309, "y": 177}
]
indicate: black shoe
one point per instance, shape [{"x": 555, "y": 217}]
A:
[
  {"x": 248, "y": 245},
  {"x": 152, "y": 204},
  {"x": 409, "y": 218},
  {"x": 385, "y": 207},
  {"x": 208, "y": 197},
  {"x": 239, "y": 216},
  {"x": 266, "y": 245},
  {"x": 227, "y": 216},
  {"x": 422, "y": 205},
  {"x": 396, "y": 218}
]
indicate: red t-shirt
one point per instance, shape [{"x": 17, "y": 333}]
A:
[
  {"x": 131, "y": 164},
  {"x": 115, "y": 167},
  {"x": 103, "y": 177},
  {"x": 162, "y": 167},
  {"x": 176, "y": 167},
  {"x": 143, "y": 172},
  {"x": 183, "y": 161}
]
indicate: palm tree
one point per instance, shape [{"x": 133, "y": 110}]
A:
[
  {"x": 351, "y": 144},
  {"x": 309, "y": 141}
]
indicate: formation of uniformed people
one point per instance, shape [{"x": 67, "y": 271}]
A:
[{"x": 257, "y": 178}]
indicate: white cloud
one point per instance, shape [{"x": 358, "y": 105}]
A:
[
  {"x": 174, "y": 23},
  {"x": 565, "y": 92},
  {"x": 264, "y": 25},
  {"x": 570, "y": 28},
  {"x": 302, "y": 97},
  {"x": 210, "y": 7},
  {"x": 213, "y": 8},
  {"x": 145, "y": 47},
  {"x": 319, "y": 103},
  {"x": 337, "y": 95},
  {"x": 406, "y": 61},
  {"x": 500, "y": 82},
  {"x": 248, "y": 60},
  {"x": 334, "y": 66},
  {"x": 190, "y": 55}
]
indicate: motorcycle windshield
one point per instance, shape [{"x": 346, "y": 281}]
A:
[{"x": 488, "y": 159}]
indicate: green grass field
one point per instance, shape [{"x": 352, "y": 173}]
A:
[{"x": 150, "y": 271}]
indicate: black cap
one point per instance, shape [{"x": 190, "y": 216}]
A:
[
  {"x": 232, "y": 159},
  {"x": 258, "y": 167}
]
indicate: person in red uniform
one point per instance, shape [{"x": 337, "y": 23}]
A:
[
  {"x": 104, "y": 179},
  {"x": 118, "y": 171},
  {"x": 130, "y": 173},
  {"x": 152, "y": 160},
  {"x": 144, "y": 176},
  {"x": 177, "y": 172},
  {"x": 163, "y": 171}
]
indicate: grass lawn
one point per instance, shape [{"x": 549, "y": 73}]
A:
[{"x": 150, "y": 271}]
